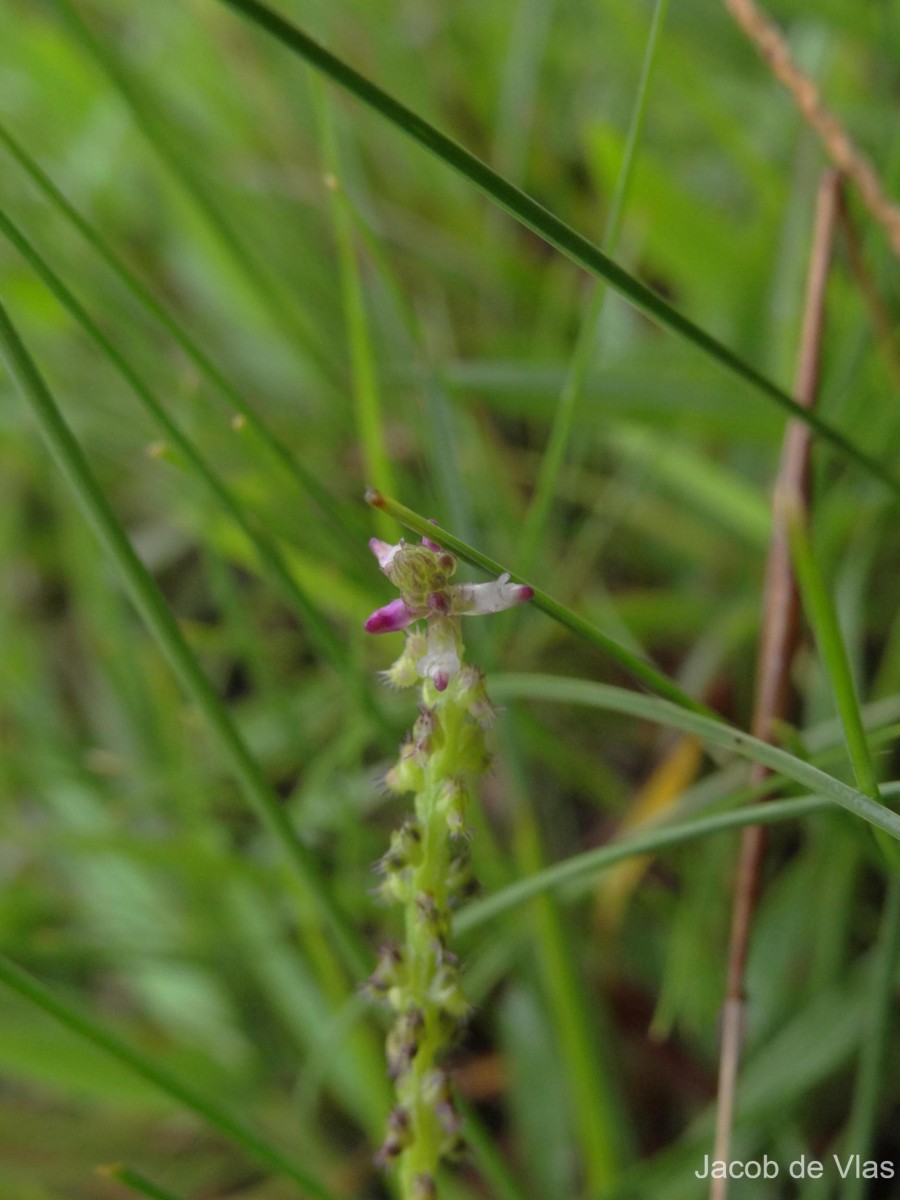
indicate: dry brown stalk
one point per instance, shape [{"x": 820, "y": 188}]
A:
[
  {"x": 771, "y": 44},
  {"x": 778, "y": 643}
]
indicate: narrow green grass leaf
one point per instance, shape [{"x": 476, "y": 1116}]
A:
[
  {"x": 148, "y": 600},
  {"x": 712, "y": 731},
  {"x": 547, "y": 226},
  {"x": 714, "y": 491},
  {"x": 528, "y": 42},
  {"x": 641, "y": 670},
  {"x": 267, "y": 553},
  {"x": 367, "y": 404},
  {"x": 344, "y": 519},
  {"x": 598, "y": 1115},
  {"x": 32, "y": 990},
  {"x": 584, "y": 868},
  {"x": 272, "y": 298},
  {"x": 876, "y": 1046},
  {"x": 823, "y": 618},
  {"x": 442, "y": 446},
  {"x": 585, "y": 347}
]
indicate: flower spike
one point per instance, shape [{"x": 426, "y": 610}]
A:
[{"x": 427, "y": 869}]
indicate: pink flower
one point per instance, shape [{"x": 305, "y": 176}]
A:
[
  {"x": 422, "y": 574},
  {"x": 391, "y": 617}
]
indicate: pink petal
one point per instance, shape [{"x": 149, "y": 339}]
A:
[
  {"x": 383, "y": 551},
  {"x": 390, "y": 618}
]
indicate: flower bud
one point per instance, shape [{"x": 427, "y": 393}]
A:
[
  {"x": 389, "y": 973},
  {"x": 403, "y": 1042},
  {"x": 406, "y": 775},
  {"x": 398, "y": 1137}
]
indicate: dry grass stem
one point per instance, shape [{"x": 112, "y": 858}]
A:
[
  {"x": 778, "y": 643},
  {"x": 837, "y": 142}
]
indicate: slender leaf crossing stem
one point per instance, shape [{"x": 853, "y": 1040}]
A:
[
  {"x": 641, "y": 670},
  {"x": 680, "y": 712},
  {"x": 547, "y": 226}
]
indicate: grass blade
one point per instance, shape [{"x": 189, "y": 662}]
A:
[
  {"x": 583, "y": 356},
  {"x": 272, "y": 298},
  {"x": 320, "y": 633},
  {"x": 149, "y": 602},
  {"x": 489, "y": 1158},
  {"x": 712, "y": 731},
  {"x": 596, "y": 1103},
  {"x": 547, "y": 226},
  {"x": 32, "y": 990},
  {"x": 823, "y": 618},
  {"x": 820, "y": 610},
  {"x": 876, "y": 1046},
  {"x": 585, "y": 867},
  {"x": 345, "y": 519},
  {"x": 367, "y": 403}
]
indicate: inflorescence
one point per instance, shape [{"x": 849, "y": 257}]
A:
[{"x": 427, "y": 868}]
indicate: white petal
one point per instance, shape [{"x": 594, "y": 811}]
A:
[
  {"x": 383, "y": 551},
  {"x": 441, "y": 660},
  {"x": 475, "y": 599}
]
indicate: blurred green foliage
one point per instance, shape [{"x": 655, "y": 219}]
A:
[{"x": 137, "y": 885}]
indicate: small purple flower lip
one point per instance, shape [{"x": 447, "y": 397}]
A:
[{"x": 391, "y": 617}]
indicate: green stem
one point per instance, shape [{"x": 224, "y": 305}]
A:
[
  {"x": 423, "y": 950},
  {"x": 823, "y": 618}
]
